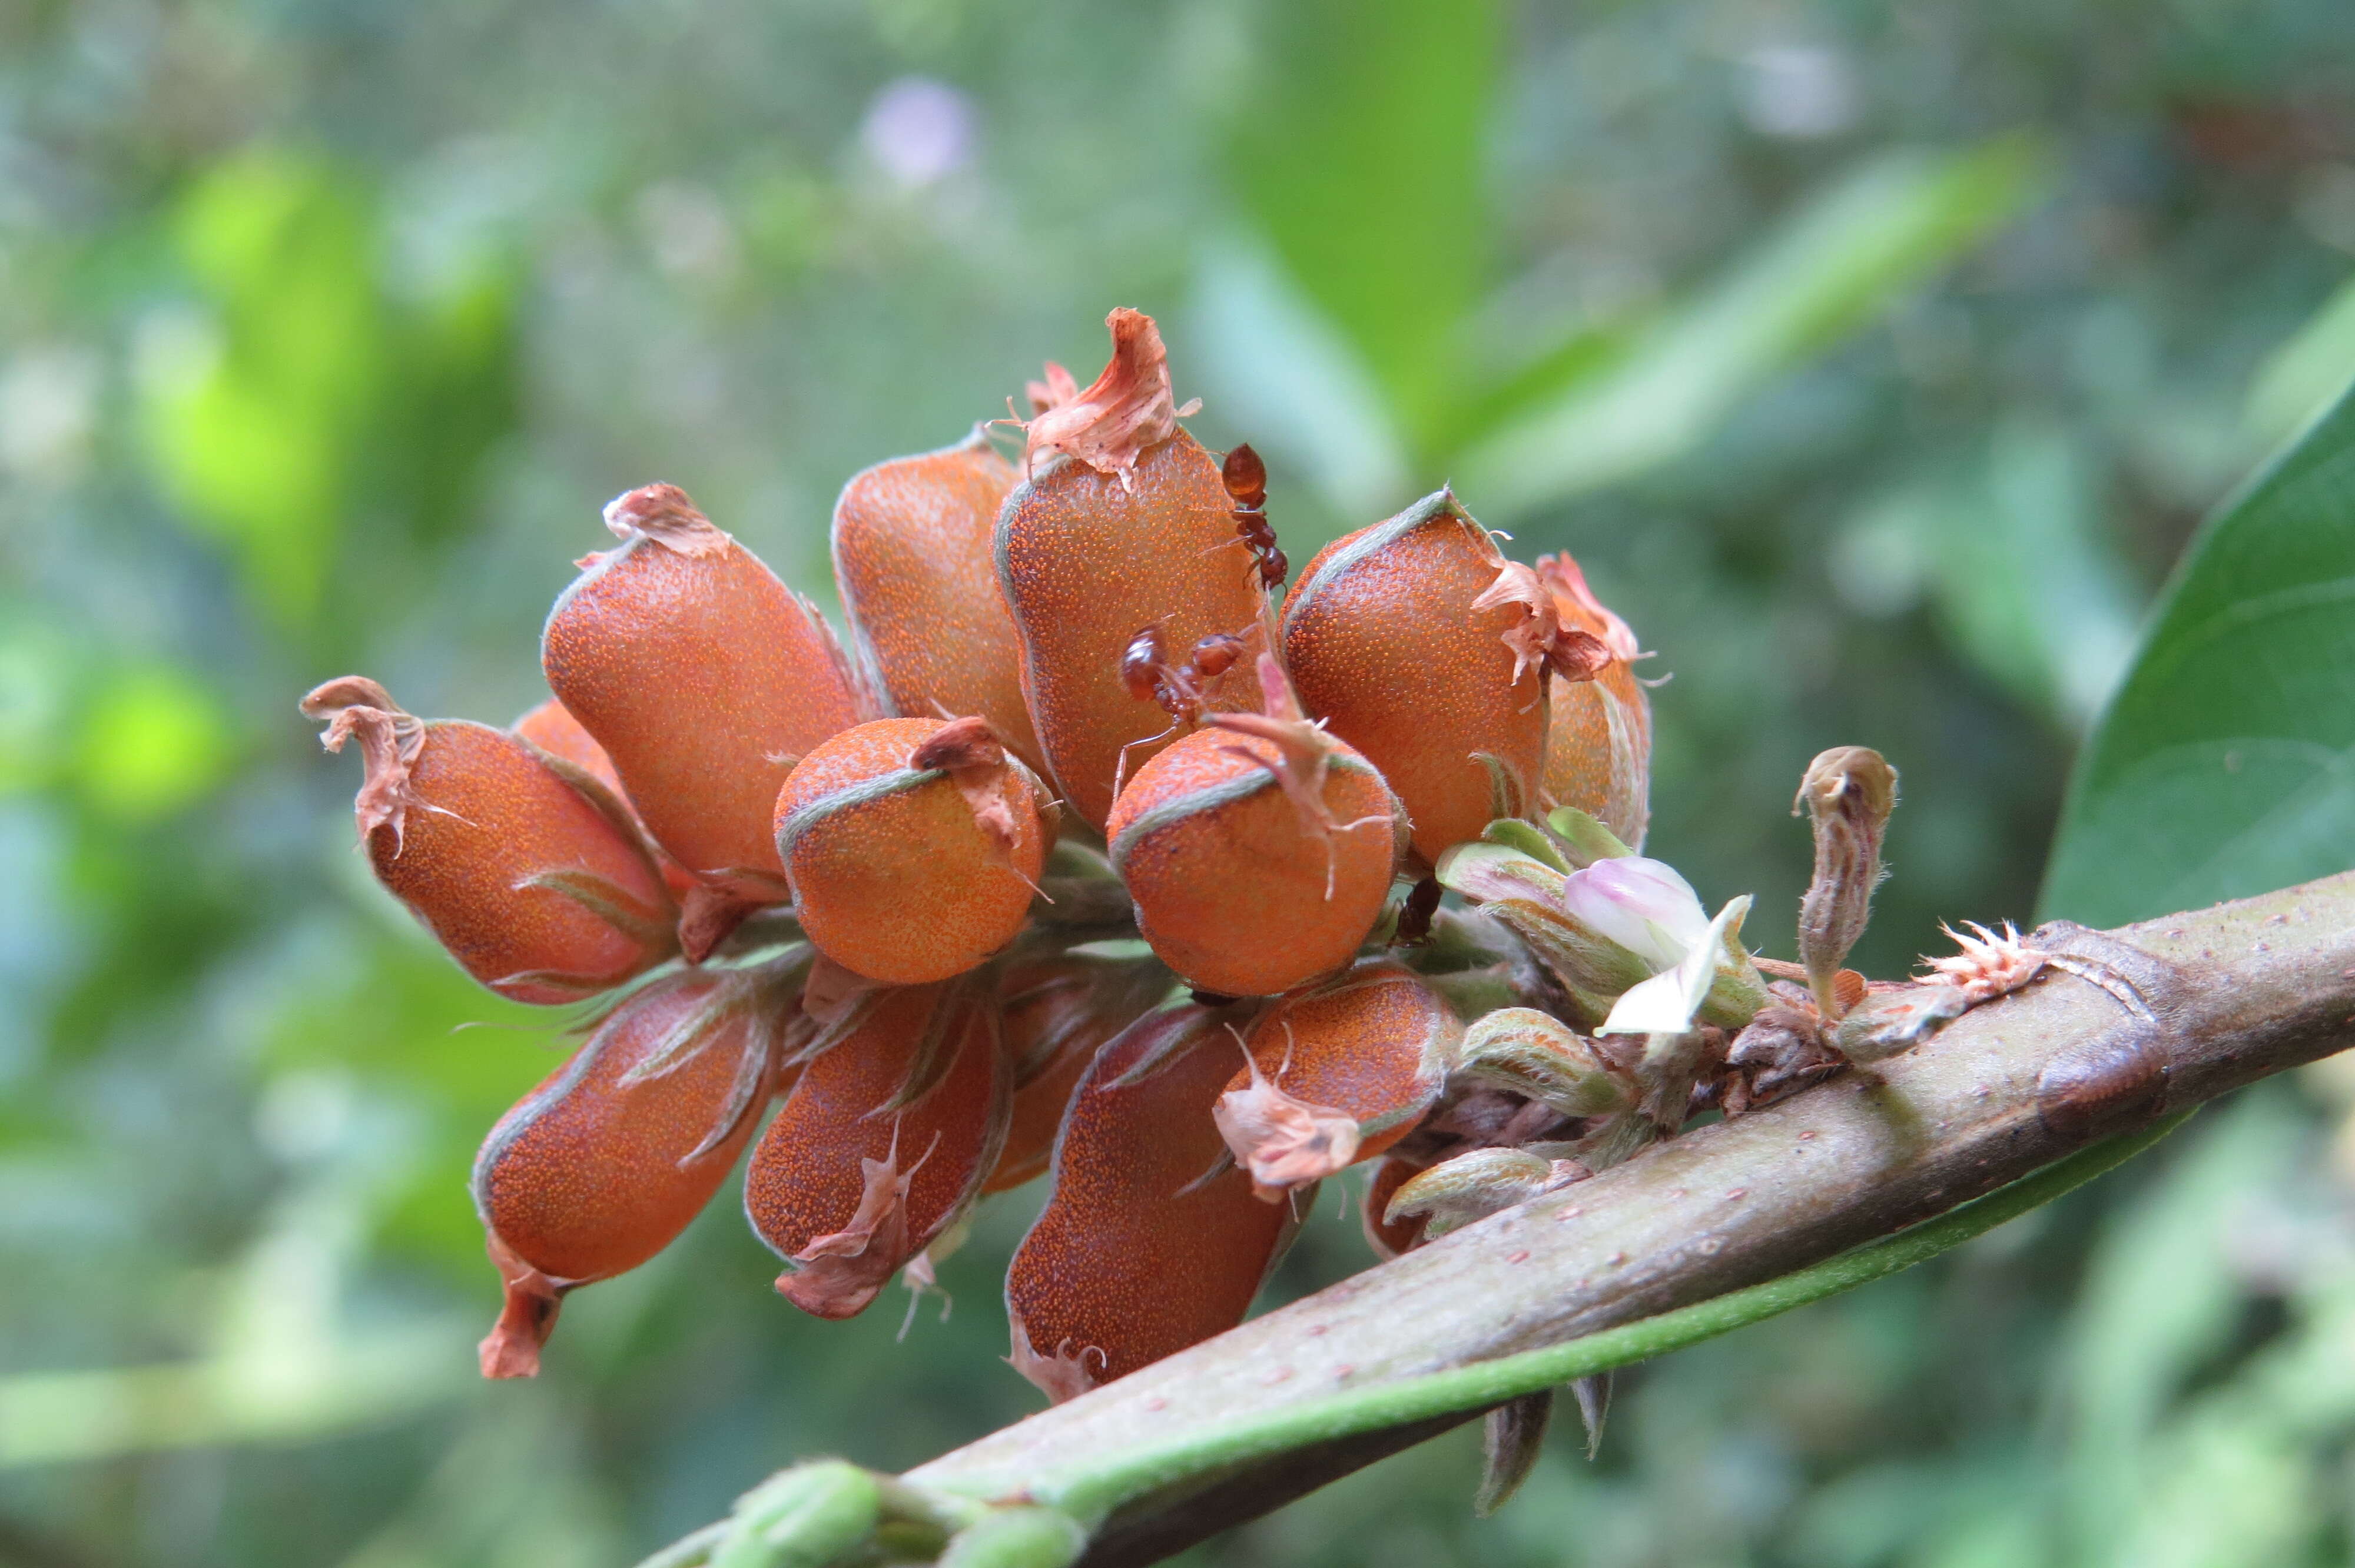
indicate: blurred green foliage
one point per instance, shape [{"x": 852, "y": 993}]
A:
[{"x": 1876, "y": 360}]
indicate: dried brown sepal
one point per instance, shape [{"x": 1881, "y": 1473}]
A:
[
  {"x": 971, "y": 755},
  {"x": 1306, "y": 757},
  {"x": 842, "y": 1270},
  {"x": 1058, "y": 388},
  {"x": 1282, "y": 1140},
  {"x": 1126, "y": 409},
  {"x": 526, "y": 1318},
  {"x": 831, "y": 990},
  {"x": 1848, "y": 793},
  {"x": 663, "y": 513},
  {"x": 391, "y": 738},
  {"x": 1064, "y": 1375},
  {"x": 1883, "y": 1025},
  {"x": 1539, "y": 640}
]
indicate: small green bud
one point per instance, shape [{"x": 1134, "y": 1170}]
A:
[
  {"x": 1585, "y": 840},
  {"x": 1474, "y": 1186},
  {"x": 1536, "y": 1054},
  {"x": 1896, "y": 1020},
  {"x": 806, "y": 1517},
  {"x": 1022, "y": 1537}
]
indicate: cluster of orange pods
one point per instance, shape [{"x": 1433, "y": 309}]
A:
[{"x": 1089, "y": 847}]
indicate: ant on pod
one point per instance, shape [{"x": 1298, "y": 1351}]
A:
[
  {"x": 1245, "y": 477},
  {"x": 1145, "y": 669}
]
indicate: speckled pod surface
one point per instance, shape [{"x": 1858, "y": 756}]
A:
[
  {"x": 1141, "y": 1251},
  {"x": 509, "y": 865},
  {"x": 551, "y": 728},
  {"x": 599, "y": 1168},
  {"x": 1376, "y": 1042},
  {"x": 704, "y": 678},
  {"x": 1233, "y": 888},
  {"x": 915, "y": 560},
  {"x": 1599, "y": 751},
  {"x": 1382, "y": 640},
  {"x": 1084, "y": 565},
  {"x": 1058, "y": 1014},
  {"x": 884, "y": 1140},
  {"x": 892, "y": 873}
]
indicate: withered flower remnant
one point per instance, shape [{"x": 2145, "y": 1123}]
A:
[{"x": 1847, "y": 794}]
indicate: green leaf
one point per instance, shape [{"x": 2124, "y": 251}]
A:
[
  {"x": 1839, "y": 262},
  {"x": 1358, "y": 155},
  {"x": 2225, "y": 765}
]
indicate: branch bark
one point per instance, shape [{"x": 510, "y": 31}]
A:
[{"x": 2233, "y": 993}]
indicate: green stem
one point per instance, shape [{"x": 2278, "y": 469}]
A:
[{"x": 1092, "y": 1492}]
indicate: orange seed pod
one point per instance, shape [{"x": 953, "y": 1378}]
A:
[
  {"x": 535, "y": 879},
  {"x": 705, "y": 679},
  {"x": 555, "y": 731},
  {"x": 915, "y": 560},
  {"x": 1258, "y": 851},
  {"x": 1392, "y": 637},
  {"x": 1599, "y": 743},
  {"x": 606, "y": 1161},
  {"x": 882, "y": 1145},
  {"x": 1131, "y": 531},
  {"x": 912, "y": 847},
  {"x": 1151, "y": 1242},
  {"x": 1059, "y": 1012},
  {"x": 1337, "y": 1075}
]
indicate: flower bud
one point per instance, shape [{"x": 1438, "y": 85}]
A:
[
  {"x": 1335, "y": 1074},
  {"x": 1598, "y": 740},
  {"x": 1623, "y": 927},
  {"x": 1132, "y": 534},
  {"x": 1058, "y": 1014},
  {"x": 1150, "y": 1242},
  {"x": 914, "y": 556},
  {"x": 1849, "y": 792},
  {"x": 608, "y": 1159},
  {"x": 1474, "y": 1186},
  {"x": 1258, "y": 852},
  {"x": 1392, "y": 637},
  {"x": 1537, "y": 1056},
  {"x": 884, "y": 1143},
  {"x": 535, "y": 879},
  {"x": 912, "y": 847},
  {"x": 705, "y": 679}
]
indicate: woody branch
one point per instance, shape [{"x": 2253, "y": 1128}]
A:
[{"x": 2235, "y": 993}]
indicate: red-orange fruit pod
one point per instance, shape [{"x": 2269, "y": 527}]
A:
[
  {"x": 1259, "y": 851},
  {"x": 1337, "y": 1075},
  {"x": 1599, "y": 747},
  {"x": 1152, "y": 1241},
  {"x": 705, "y": 679},
  {"x": 1392, "y": 637},
  {"x": 912, "y": 847},
  {"x": 1059, "y": 1012},
  {"x": 556, "y": 732},
  {"x": 606, "y": 1161},
  {"x": 535, "y": 881},
  {"x": 915, "y": 560},
  {"x": 882, "y": 1145},
  {"x": 1129, "y": 529}
]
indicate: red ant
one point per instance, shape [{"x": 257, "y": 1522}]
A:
[
  {"x": 1146, "y": 669},
  {"x": 1245, "y": 478}
]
